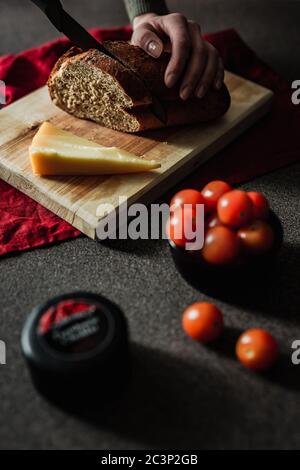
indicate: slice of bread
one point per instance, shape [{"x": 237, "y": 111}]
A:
[{"x": 117, "y": 94}]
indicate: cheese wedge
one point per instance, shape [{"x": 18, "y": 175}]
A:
[{"x": 54, "y": 151}]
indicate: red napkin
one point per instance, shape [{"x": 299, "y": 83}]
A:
[{"x": 269, "y": 145}]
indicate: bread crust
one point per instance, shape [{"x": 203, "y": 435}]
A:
[
  {"x": 181, "y": 112},
  {"x": 139, "y": 74},
  {"x": 149, "y": 69}
]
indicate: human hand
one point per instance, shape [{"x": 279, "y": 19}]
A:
[{"x": 194, "y": 61}]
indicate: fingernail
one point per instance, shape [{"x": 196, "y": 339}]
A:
[
  {"x": 171, "y": 79},
  {"x": 153, "y": 48},
  {"x": 185, "y": 92},
  {"x": 200, "y": 92}
]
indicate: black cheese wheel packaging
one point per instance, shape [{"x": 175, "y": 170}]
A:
[{"x": 76, "y": 347}]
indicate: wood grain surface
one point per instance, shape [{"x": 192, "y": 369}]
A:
[{"x": 77, "y": 199}]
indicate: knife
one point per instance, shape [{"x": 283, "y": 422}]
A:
[{"x": 79, "y": 36}]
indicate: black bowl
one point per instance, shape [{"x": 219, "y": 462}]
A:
[{"x": 232, "y": 281}]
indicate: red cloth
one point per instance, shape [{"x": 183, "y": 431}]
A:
[
  {"x": 270, "y": 144},
  {"x": 273, "y": 141}
]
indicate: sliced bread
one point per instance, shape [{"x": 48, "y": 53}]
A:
[{"x": 117, "y": 93}]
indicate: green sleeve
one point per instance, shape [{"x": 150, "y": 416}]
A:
[{"x": 138, "y": 7}]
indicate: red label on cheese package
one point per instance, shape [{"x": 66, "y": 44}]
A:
[{"x": 73, "y": 326}]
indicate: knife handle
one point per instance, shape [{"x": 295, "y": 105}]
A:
[{"x": 52, "y": 9}]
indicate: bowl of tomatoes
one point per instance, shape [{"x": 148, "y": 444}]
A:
[{"x": 239, "y": 240}]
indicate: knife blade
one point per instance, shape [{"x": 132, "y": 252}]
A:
[{"x": 78, "y": 35}]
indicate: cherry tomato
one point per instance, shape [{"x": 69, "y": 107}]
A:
[
  {"x": 213, "y": 221},
  {"x": 260, "y": 205},
  {"x": 212, "y": 192},
  {"x": 203, "y": 321},
  {"x": 257, "y": 237},
  {"x": 257, "y": 349},
  {"x": 235, "y": 208},
  {"x": 186, "y": 196},
  {"x": 180, "y": 222},
  {"x": 221, "y": 246}
]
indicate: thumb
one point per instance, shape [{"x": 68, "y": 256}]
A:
[{"x": 147, "y": 40}]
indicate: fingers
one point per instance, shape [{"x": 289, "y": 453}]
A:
[
  {"x": 209, "y": 75},
  {"x": 194, "y": 61},
  {"x": 197, "y": 62},
  {"x": 175, "y": 26},
  {"x": 220, "y": 75},
  {"x": 198, "y": 59},
  {"x": 146, "y": 38}
]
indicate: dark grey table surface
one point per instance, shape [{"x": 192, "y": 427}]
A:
[{"x": 182, "y": 394}]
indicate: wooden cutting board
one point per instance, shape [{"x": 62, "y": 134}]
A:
[{"x": 77, "y": 199}]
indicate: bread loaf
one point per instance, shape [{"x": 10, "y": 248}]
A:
[{"x": 118, "y": 93}]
